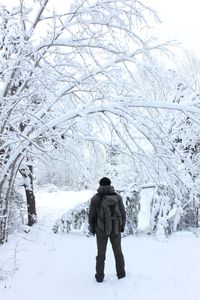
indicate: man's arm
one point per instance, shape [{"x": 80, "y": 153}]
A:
[
  {"x": 123, "y": 213},
  {"x": 92, "y": 218}
]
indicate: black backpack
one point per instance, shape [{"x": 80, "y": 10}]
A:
[{"x": 109, "y": 215}]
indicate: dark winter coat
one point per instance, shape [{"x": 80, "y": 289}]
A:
[{"x": 95, "y": 201}]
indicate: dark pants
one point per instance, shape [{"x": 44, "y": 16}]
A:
[{"x": 102, "y": 241}]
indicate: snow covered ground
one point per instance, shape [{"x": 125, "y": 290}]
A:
[{"x": 42, "y": 265}]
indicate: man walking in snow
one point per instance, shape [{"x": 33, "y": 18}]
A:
[{"x": 107, "y": 219}]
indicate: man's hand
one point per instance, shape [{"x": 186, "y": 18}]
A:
[{"x": 92, "y": 231}]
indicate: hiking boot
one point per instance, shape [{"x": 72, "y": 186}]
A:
[
  {"x": 121, "y": 276},
  {"x": 99, "y": 279}
]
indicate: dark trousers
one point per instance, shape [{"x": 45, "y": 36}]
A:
[{"x": 102, "y": 241}]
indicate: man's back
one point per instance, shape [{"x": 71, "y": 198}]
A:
[{"x": 105, "y": 194}]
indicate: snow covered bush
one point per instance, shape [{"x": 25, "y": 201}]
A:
[
  {"x": 74, "y": 219},
  {"x": 132, "y": 206},
  {"x": 190, "y": 216},
  {"x": 165, "y": 211}
]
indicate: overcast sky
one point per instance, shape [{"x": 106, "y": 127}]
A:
[{"x": 180, "y": 20}]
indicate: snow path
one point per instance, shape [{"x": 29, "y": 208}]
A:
[{"x": 52, "y": 266}]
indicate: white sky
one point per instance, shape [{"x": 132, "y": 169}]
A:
[{"x": 180, "y": 20}]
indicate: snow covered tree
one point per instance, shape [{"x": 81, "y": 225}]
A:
[
  {"x": 186, "y": 139},
  {"x": 177, "y": 155},
  {"x": 57, "y": 70},
  {"x": 68, "y": 78},
  {"x": 187, "y": 144}
]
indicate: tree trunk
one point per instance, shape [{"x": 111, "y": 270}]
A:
[
  {"x": 27, "y": 174},
  {"x": 30, "y": 197},
  {"x": 6, "y": 188},
  {"x": 4, "y": 211}
]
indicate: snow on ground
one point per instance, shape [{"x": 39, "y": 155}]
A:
[{"x": 43, "y": 265}]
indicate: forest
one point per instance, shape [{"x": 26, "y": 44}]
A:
[{"x": 87, "y": 91}]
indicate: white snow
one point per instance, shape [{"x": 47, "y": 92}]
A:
[{"x": 42, "y": 265}]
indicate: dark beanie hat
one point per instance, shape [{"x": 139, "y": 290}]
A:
[{"x": 105, "y": 181}]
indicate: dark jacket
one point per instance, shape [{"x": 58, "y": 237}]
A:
[{"x": 95, "y": 201}]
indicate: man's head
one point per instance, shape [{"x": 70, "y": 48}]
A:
[{"x": 105, "y": 181}]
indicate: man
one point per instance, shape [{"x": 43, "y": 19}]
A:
[{"x": 100, "y": 224}]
